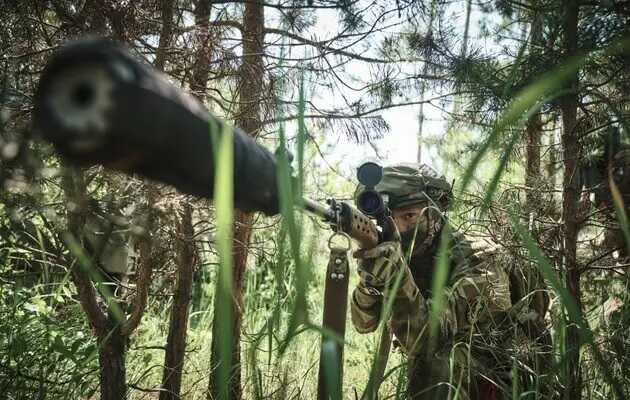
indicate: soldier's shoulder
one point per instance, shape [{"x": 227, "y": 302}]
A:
[
  {"x": 484, "y": 274},
  {"x": 479, "y": 259},
  {"x": 474, "y": 249}
]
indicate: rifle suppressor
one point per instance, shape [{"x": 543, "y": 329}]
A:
[{"x": 98, "y": 105}]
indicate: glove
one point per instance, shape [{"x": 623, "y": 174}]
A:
[{"x": 379, "y": 266}]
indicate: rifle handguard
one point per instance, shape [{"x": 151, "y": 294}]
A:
[{"x": 358, "y": 226}]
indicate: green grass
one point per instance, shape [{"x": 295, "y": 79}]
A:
[{"x": 224, "y": 204}]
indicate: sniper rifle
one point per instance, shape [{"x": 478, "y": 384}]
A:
[{"x": 99, "y": 106}]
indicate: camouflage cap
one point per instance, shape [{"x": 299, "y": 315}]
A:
[{"x": 411, "y": 183}]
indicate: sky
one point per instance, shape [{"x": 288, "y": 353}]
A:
[{"x": 401, "y": 143}]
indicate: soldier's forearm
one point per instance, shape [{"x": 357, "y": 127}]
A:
[
  {"x": 365, "y": 310},
  {"x": 409, "y": 315}
]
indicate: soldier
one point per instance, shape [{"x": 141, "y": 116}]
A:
[{"x": 475, "y": 325}]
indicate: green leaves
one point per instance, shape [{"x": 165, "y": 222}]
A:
[
  {"x": 527, "y": 102},
  {"x": 44, "y": 347}
]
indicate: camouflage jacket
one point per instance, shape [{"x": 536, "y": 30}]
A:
[{"x": 478, "y": 305}]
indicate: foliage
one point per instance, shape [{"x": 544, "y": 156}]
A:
[
  {"x": 45, "y": 345},
  {"x": 491, "y": 94}
]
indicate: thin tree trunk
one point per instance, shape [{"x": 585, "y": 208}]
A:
[
  {"x": 107, "y": 329},
  {"x": 423, "y": 89},
  {"x": 176, "y": 342},
  {"x": 535, "y": 287},
  {"x": 166, "y": 8},
  {"x": 175, "y": 350},
  {"x": 112, "y": 348},
  {"x": 552, "y": 151},
  {"x": 200, "y": 68},
  {"x": 111, "y": 342},
  {"x": 532, "y": 168},
  {"x": 533, "y": 127},
  {"x": 112, "y": 333},
  {"x": 249, "y": 119},
  {"x": 571, "y": 152}
]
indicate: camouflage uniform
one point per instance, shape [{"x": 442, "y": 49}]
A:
[{"x": 476, "y": 318}]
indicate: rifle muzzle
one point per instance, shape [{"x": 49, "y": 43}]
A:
[{"x": 98, "y": 105}]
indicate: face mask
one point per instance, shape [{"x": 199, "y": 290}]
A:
[{"x": 407, "y": 237}]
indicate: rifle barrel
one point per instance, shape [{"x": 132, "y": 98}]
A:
[
  {"x": 99, "y": 105},
  {"x": 327, "y": 213}
]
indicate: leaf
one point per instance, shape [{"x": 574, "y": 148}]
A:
[{"x": 574, "y": 313}]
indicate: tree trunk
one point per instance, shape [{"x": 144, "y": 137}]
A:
[
  {"x": 423, "y": 89},
  {"x": 533, "y": 128},
  {"x": 175, "y": 350},
  {"x": 200, "y": 69},
  {"x": 176, "y": 342},
  {"x": 534, "y": 289},
  {"x": 111, "y": 342},
  {"x": 532, "y": 169},
  {"x": 249, "y": 119},
  {"x": 242, "y": 234},
  {"x": 571, "y": 188},
  {"x": 553, "y": 154},
  {"x": 166, "y": 8},
  {"x": 111, "y": 356}
]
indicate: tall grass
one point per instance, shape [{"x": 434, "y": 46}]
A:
[
  {"x": 525, "y": 103},
  {"x": 224, "y": 203}
]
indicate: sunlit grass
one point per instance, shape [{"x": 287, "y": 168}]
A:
[{"x": 224, "y": 204}]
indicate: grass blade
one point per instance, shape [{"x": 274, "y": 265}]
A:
[
  {"x": 574, "y": 313},
  {"x": 224, "y": 204}
]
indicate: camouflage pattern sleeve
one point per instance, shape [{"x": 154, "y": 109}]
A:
[
  {"x": 365, "y": 309},
  {"x": 409, "y": 315},
  {"x": 408, "y": 312},
  {"x": 475, "y": 298},
  {"x": 477, "y": 292},
  {"x": 379, "y": 268}
]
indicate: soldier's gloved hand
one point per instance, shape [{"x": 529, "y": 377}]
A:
[{"x": 379, "y": 266}]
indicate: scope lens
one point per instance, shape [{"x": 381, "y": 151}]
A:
[
  {"x": 370, "y": 174},
  {"x": 370, "y": 203}
]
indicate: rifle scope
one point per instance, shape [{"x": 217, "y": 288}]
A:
[{"x": 369, "y": 201}]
